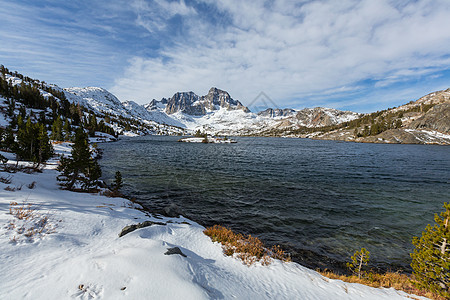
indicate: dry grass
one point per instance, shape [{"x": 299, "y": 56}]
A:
[
  {"x": 248, "y": 248},
  {"x": 22, "y": 212},
  {"x": 394, "y": 280},
  {"x": 28, "y": 222}
]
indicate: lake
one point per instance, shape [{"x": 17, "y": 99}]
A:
[{"x": 319, "y": 200}]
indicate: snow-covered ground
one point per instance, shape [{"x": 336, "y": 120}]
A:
[
  {"x": 430, "y": 136},
  {"x": 79, "y": 254}
]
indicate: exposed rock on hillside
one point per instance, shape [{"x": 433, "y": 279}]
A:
[
  {"x": 274, "y": 113},
  {"x": 437, "y": 118}
]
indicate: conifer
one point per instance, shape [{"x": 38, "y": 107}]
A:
[
  {"x": 431, "y": 258},
  {"x": 67, "y": 131},
  {"x": 118, "y": 183},
  {"x": 81, "y": 167},
  {"x": 359, "y": 259},
  {"x": 57, "y": 129}
]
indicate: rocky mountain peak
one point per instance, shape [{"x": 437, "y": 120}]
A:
[
  {"x": 185, "y": 102},
  {"x": 191, "y": 104}
]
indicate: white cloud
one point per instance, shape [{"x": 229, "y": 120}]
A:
[
  {"x": 291, "y": 50},
  {"x": 153, "y": 15}
]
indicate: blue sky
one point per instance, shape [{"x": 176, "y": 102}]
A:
[{"x": 360, "y": 55}]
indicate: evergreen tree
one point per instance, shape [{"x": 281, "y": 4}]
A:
[
  {"x": 431, "y": 258},
  {"x": 32, "y": 142},
  {"x": 359, "y": 259},
  {"x": 92, "y": 124},
  {"x": 57, "y": 129},
  {"x": 81, "y": 167},
  {"x": 67, "y": 130},
  {"x": 118, "y": 183},
  {"x": 11, "y": 107},
  {"x": 45, "y": 150}
]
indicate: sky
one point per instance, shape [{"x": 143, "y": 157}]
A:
[{"x": 359, "y": 55}]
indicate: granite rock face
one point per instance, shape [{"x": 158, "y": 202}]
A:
[
  {"x": 191, "y": 104},
  {"x": 437, "y": 118},
  {"x": 276, "y": 112},
  {"x": 186, "y": 102}
]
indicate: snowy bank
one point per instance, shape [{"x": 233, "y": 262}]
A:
[{"x": 81, "y": 256}]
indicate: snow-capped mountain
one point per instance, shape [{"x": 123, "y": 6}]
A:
[
  {"x": 96, "y": 98},
  {"x": 191, "y": 104},
  {"x": 218, "y": 113}
]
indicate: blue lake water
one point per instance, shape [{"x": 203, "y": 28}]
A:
[{"x": 320, "y": 200}]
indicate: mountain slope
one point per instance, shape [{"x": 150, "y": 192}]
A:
[{"x": 424, "y": 121}]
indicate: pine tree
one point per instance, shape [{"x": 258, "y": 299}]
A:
[
  {"x": 45, "y": 150},
  {"x": 57, "y": 129},
  {"x": 81, "y": 167},
  {"x": 67, "y": 131},
  {"x": 92, "y": 126},
  {"x": 359, "y": 259},
  {"x": 431, "y": 258},
  {"x": 32, "y": 142},
  {"x": 118, "y": 183}
]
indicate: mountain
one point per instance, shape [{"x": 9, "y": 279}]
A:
[
  {"x": 191, "y": 104},
  {"x": 96, "y": 98},
  {"x": 218, "y": 113},
  {"x": 424, "y": 121}
]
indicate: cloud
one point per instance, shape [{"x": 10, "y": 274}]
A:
[
  {"x": 153, "y": 16},
  {"x": 300, "y": 53},
  {"x": 55, "y": 43},
  {"x": 293, "y": 50}
]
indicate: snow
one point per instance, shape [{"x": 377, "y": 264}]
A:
[
  {"x": 211, "y": 140},
  {"x": 430, "y": 136},
  {"x": 82, "y": 256}
]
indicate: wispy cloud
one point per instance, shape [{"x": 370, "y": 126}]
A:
[
  {"x": 153, "y": 16},
  {"x": 350, "y": 54},
  {"x": 294, "y": 50},
  {"x": 54, "y": 44}
]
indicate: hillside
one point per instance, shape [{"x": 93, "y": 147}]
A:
[
  {"x": 424, "y": 121},
  {"x": 43, "y": 101}
]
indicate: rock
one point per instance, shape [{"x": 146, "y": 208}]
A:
[
  {"x": 131, "y": 228},
  {"x": 172, "y": 211},
  {"x": 184, "y": 102},
  {"x": 191, "y": 104},
  {"x": 273, "y": 113},
  {"x": 437, "y": 118},
  {"x": 174, "y": 250}
]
